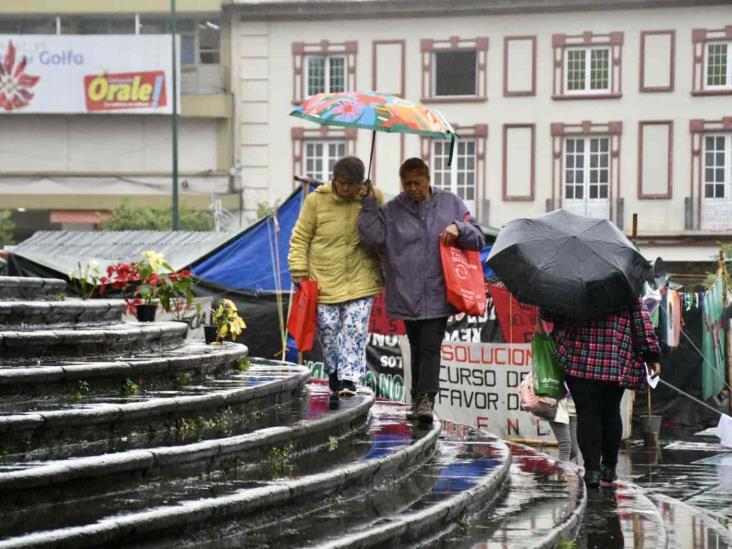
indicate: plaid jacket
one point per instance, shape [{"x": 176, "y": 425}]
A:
[{"x": 612, "y": 348}]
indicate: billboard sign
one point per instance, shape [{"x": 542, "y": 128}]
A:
[{"x": 86, "y": 74}]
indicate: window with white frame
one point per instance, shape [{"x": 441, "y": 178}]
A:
[
  {"x": 325, "y": 73},
  {"x": 718, "y": 74},
  {"x": 586, "y": 168},
  {"x": 460, "y": 176},
  {"x": 587, "y": 70},
  {"x": 320, "y": 157},
  {"x": 717, "y": 166}
]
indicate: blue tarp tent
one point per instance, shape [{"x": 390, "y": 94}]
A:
[{"x": 251, "y": 259}]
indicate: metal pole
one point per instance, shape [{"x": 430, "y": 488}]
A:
[{"x": 173, "y": 30}]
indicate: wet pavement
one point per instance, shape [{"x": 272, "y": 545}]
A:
[{"x": 685, "y": 484}]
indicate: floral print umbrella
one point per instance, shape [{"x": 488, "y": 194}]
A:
[
  {"x": 377, "y": 112},
  {"x": 374, "y": 111}
]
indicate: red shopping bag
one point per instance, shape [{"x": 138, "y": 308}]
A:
[
  {"x": 463, "y": 279},
  {"x": 302, "y": 321}
]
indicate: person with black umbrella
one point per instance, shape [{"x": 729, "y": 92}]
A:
[
  {"x": 586, "y": 277},
  {"x": 602, "y": 357}
]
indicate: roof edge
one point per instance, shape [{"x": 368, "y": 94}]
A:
[{"x": 273, "y": 10}]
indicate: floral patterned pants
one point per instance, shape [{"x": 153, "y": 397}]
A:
[{"x": 343, "y": 331}]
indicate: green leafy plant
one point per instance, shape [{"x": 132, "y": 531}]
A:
[
  {"x": 58, "y": 296},
  {"x": 567, "y": 544},
  {"x": 130, "y": 388},
  {"x": 243, "y": 364},
  {"x": 126, "y": 217},
  {"x": 332, "y": 443},
  {"x": 257, "y": 414},
  {"x": 85, "y": 279},
  {"x": 150, "y": 278},
  {"x": 183, "y": 380},
  {"x": 3, "y": 456},
  {"x": 82, "y": 387},
  {"x": 278, "y": 461},
  {"x": 226, "y": 318}
]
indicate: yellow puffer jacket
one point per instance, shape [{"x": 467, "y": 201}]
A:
[{"x": 325, "y": 247}]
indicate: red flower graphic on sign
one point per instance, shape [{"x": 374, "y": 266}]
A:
[{"x": 14, "y": 83}]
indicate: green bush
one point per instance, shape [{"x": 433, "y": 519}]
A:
[{"x": 127, "y": 217}]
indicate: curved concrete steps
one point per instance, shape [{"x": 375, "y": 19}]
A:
[
  {"x": 93, "y": 427},
  {"x": 91, "y": 340},
  {"x": 17, "y": 288},
  {"x": 24, "y": 315},
  {"x": 465, "y": 475},
  {"x": 93, "y": 486},
  {"x": 542, "y": 505},
  {"x": 27, "y": 380},
  {"x": 188, "y": 513}
]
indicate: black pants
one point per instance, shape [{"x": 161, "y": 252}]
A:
[
  {"x": 599, "y": 426},
  {"x": 425, "y": 338}
]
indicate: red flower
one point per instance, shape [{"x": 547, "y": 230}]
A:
[{"x": 14, "y": 83}]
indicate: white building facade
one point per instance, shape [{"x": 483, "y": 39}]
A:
[{"x": 593, "y": 107}]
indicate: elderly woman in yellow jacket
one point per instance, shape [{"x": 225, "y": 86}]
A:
[{"x": 325, "y": 247}]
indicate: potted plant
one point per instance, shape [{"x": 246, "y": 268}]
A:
[
  {"x": 226, "y": 321},
  {"x": 142, "y": 279}
]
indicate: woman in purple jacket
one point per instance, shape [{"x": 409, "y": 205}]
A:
[{"x": 407, "y": 230}]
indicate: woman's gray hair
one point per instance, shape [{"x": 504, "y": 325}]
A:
[{"x": 349, "y": 168}]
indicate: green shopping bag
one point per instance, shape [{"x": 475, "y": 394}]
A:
[{"x": 548, "y": 374}]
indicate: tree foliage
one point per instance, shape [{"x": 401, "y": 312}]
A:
[
  {"x": 127, "y": 217},
  {"x": 7, "y": 226}
]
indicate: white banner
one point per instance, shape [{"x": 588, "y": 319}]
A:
[
  {"x": 86, "y": 74},
  {"x": 479, "y": 386}
]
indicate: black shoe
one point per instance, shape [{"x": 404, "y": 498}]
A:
[
  {"x": 333, "y": 382},
  {"x": 333, "y": 400},
  {"x": 607, "y": 476},
  {"x": 592, "y": 479},
  {"x": 424, "y": 409},
  {"x": 348, "y": 388}
]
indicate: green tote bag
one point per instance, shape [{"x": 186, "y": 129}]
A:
[{"x": 547, "y": 371}]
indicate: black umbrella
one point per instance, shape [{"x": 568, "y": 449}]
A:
[{"x": 569, "y": 264}]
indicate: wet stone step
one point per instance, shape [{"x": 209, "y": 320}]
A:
[
  {"x": 20, "y": 288},
  {"x": 31, "y": 315},
  {"x": 100, "y": 339},
  {"x": 393, "y": 514},
  {"x": 79, "y": 491},
  {"x": 542, "y": 506},
  {"x": 38, "y": 380},
  {"x": 84, "y": 429},
  {"x": 179, "y": 509}
]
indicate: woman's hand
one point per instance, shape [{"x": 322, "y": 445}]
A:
[
  {"x": 450, "y": 234},
  {"x": 367, "y": 189}
]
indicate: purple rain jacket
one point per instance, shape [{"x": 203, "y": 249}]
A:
[{"x": 408, "y": 234}]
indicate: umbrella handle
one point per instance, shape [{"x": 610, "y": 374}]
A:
[
  {"x": 452, "y": 150},
  {"x": 371, "y": 156}
]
